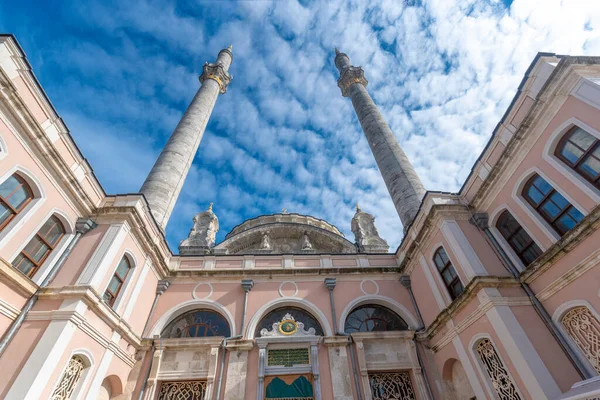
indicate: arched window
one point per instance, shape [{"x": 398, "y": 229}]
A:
[
  {"x": 373, "y": 318},
  {"x": 584, "y": 328},
  {"x": 39, "y": 247},
  {"x": 551, "y": 205},
  {"x": 116, "y": 282},
  {"x": 446, "y": 269},
  {"x": 69, "y": 379},
  {"x": 496, "y": 370},
  {"x": 15, "y": 194},
  {"x": 197, "y": 323},
  {"x": 581, "y": 151},
  {"x": 517, "y": 238},
  {"x": 278, "y": 315}
]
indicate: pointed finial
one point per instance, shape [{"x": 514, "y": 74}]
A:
[
  {"x": 230, "y": 48},
  {"x": 357, "y": 208},
  {"x": 284, "y": 210},
  {"x": 337, "y": 51},
  {"x": 210, "y": 207}
]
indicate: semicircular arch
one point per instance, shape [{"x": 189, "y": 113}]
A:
[
  {"x": 191, "y": 305},
  {"x": 393, "y": 305},
  {"x": 288, "y": 302}
]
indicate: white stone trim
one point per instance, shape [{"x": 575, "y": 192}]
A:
[
  {"x": 531, "y": 212},
  {"x": 289, "y": 301},
  {"x": 493, "y": 219},
  {"x": 374, "y": 283},
  {"x": 126, "y": 285},
  {"x": 588, "y": 91},
  {"x": 437, "y": 277},
  {"x": 482, "y": 373},
  {"x": 137, "y": 289},
  {"x": 80, "y": 388},
  {"x": 35, "y": 374},
  {"x": 474, "y": 379},
  {"x": 393, "y": 305},
  {"x": 55, "y": 254},
  {"x": 8, "y": 310},
  {"x": 195, "y": 296},
  {"x": 100, "y": 373},
  {"x": 557, "y": 316},
  {"x": 190, "y": 305},
  {"x": 104, "y": 255},
  {"x": 573, "y": 177},
  {"x": 533, "y": 372},
  {"x": 3, "y": 148},
  {"x": 462, "y": 250},
  {"x": 21, "y": 218},
  {"x": 281, "y": 289}
]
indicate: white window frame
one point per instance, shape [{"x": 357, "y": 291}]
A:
[
  {"x": 125, "y": 287},
  {"x": 548, "y": 155}
]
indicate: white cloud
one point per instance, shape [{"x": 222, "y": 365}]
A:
[{"x": 283, "y": 136}]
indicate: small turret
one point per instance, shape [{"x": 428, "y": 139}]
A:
[
  {"x": 202, "y": 235},
  {"x": 366, "y": 235}
]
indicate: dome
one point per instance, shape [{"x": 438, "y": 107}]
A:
[{"x": 285, "y": 233}]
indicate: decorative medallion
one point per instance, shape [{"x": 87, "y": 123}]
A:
[{"x": 288, "y": 327}]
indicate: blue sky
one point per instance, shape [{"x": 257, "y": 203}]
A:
[{"x": 442, "y": 71}]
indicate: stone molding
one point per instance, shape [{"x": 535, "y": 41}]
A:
[
  {"x": 336, "y": 341},
  {"x": 85, "y": 326},
  {"x": 240, "y": 345},
  {"x": 93, "y": 300},
  {"x": 217, "y": 73},
  {"x": 8, "y": 310},
  {"x": 349, "y": 76},
  {"x": 16, "y": 280},
  {"x": 585, "y": 228},
  {"x": 470, "y": 292}
]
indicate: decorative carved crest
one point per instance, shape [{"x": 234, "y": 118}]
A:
[
  {"x": 349, "y": 76},
  {"x": 217, "y": 73},
  {"x": 366, "y": 234},
  {"x": 202, "y": 235},
  {"x": 288, "y": 326}
]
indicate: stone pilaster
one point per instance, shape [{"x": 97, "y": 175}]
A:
[
  {"x": 237, "y": 368},
  {"x": 337, "y": 346},
  {"x": 402, "y": 181},
  {"x": 164, "y": 183}
]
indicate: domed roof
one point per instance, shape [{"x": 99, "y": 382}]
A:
[{"x": 285, "y": 233}]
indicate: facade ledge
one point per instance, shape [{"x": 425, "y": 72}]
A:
[
  {"x": 334, "y": 341},
  {"x": 563, "y": 246},
  {"x": 185, "y": 343},
  {"x": 16, "y": 280},
  {"x": 240, "y": 273},
  {"x": 388, "y": 335},
  {"x": 471, "y": 290}
]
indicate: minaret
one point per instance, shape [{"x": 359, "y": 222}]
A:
[
  {"x": 402, "y": 181},
  {"x": 163, "y": 184}
]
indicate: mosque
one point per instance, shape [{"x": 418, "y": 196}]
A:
[{"x": 493, "y": 293}]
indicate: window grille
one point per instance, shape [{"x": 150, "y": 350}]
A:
[
  {"x": 497, "y": 372},
  {"x": 584, "y": 329},
  {"x": 388, "y": 386},
  {"x": 69, "y": 379},
  {"x": 188, "y": 390},
  {"x": 287, "y": 357}
]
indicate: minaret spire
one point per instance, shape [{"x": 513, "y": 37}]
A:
[
  {"x": 400, "y": 177},
  {"x": 164, "y": 183}
]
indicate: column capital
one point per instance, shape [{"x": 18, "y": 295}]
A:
[
  {"x": 161, "y": 286},
  {"x": 84, "y": 225},
  {"x": 240, "y": 345},
  {"x": 480, "y": 220},
  {"x": 216, "y": 72},
  {"x": 349, "y": 76},
  {"x": 330, "y": 283},
  {"x": 405, "y": 281},
  {"x": 335, "y": 341}
]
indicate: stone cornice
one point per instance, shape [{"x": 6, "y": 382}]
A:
[
  {"x": 35, "y": 138},
  {"x": 175, "y": 343},
  {"x": 244, "y": 273},
  {"x": 16, "y": 280},
  {"x": 93, "y": 300},
  {"x": 476, "y": 284},
  {"x": 217, "y": 73},
  {"x": 349, "y": 76},
  {"x": 142, "y": 226},
  {"x": 589, "y": 225},
  {"x": 549, "y": 100}
]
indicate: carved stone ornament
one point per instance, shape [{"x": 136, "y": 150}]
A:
[
  {"x": 287, "y": 327},
  {"x": 217, "y": 73},
  {"x": 366, "y": 235},
  {"x": 306, "y": 245},
  {"x": 265, "y": 244},
  {"x": 349, "y": 76},
  {"x": 202, "y": 235}
]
